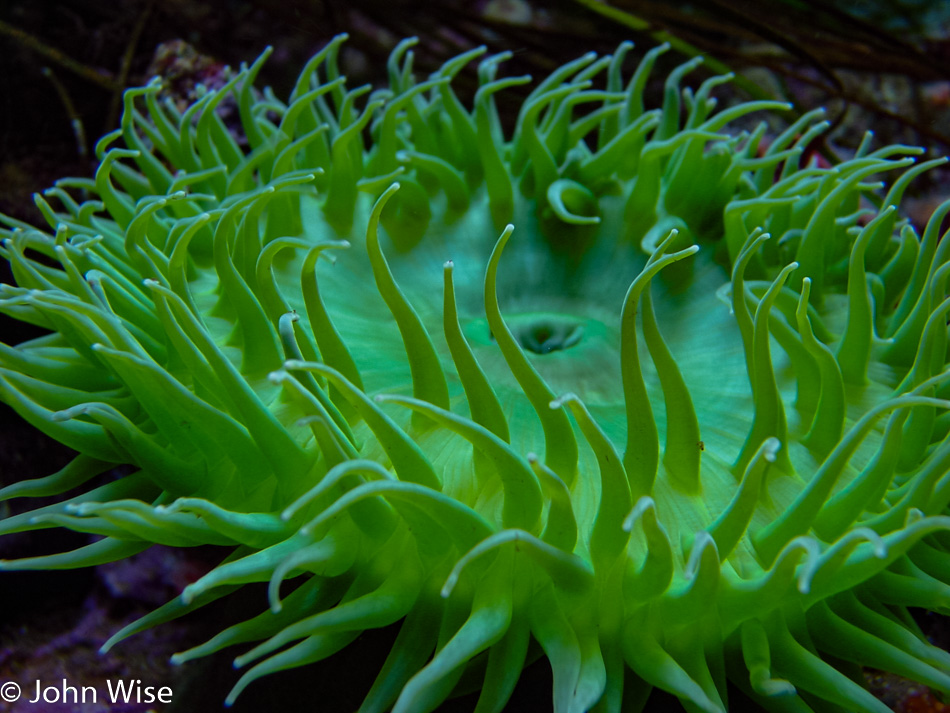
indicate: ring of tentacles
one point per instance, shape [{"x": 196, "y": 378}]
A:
[{"x": 656, "y": 398}]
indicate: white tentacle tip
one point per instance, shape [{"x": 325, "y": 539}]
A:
[
  {"x": 562, "y": 400},
  {"x": 449, "y": 585},
  {"x": 703, "y": 540},
  {"x": 642, "y": 505}
]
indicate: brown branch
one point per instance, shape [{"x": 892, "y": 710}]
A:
[
  {"x": 122, "y": 80},
  {"x": 96, "y": 76}
]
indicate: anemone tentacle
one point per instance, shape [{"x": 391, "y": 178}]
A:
[{"x": 622, "y": 380}]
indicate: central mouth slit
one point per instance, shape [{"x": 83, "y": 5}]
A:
[
  {"x": 547, "y": 337},
  {"x": 544, "y": 334}
]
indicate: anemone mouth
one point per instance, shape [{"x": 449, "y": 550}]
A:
[{"x": 545, "y": 332}]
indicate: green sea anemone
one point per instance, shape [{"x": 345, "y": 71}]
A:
[{"x": 684, "y": 422}]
